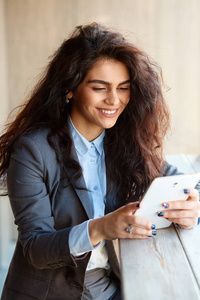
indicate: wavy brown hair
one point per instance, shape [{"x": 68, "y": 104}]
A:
[{"x": 134, "y": 145}]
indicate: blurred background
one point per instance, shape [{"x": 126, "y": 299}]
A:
[{"x": 168, "y": 30}]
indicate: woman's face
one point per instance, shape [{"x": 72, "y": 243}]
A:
[{"x": 100, "y": 98}]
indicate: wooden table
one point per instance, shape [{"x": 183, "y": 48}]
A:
[{"x": 167, "y": 266}]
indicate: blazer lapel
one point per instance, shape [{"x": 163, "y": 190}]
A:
[
  {"x": 83, "y": 194},
  {"x": 84, "y": 197}
]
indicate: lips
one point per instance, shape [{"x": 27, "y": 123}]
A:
[{"x": 108, "y": 112}]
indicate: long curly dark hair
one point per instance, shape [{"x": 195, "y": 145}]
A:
[{"x": 134, "y": 145}]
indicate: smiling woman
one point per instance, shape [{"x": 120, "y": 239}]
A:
[
  {"x": 100, "y": 98},
  {"x": 77, "y": 159}
]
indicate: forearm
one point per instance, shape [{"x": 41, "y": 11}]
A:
[
  {"x": 79, "y": 239},
  {"x": 48, "y": 250},
  {"x": 97, "y": 230}
]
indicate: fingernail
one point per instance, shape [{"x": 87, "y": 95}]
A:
[
  {"x": 186, "y": 191},
  {"x": 153, "y": 226},
  {"x": 138, "y": 205},
  {"x": 154, "y": 232},
  {"x": 160, "y": 214},
  {"x": 149, "y": 236},
  {"x": 165, "y": 205}
]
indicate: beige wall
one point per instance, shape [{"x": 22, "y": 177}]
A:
[
  {"x": 4, "y": 102},
  {"x": 169, "y": 30}
]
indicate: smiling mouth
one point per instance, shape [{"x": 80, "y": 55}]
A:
[{"x": 108, "y": 112}]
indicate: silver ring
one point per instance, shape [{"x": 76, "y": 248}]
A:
[{"x": 129, "y": 229}]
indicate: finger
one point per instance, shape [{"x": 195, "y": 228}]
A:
[
  {"x": 139, "y": 222},
  {"x": 180, "y": 204},
  {"x": 138, "y": 232},
  {"x": 130, "y": 208},
  {"x": 138, "y": 237},
  {"x": 193, "y": 195},
  {"x": 141, "y": 231},
  {"x": 178, "y": 214},
  {"x": 185, "y": 223}
]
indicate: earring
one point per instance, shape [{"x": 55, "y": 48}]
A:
[{"x": 66, "y": 100}]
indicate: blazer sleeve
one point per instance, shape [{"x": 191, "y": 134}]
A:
[
  {"x": 43, "y": 246},
  {"x": 170, "y": 170}
]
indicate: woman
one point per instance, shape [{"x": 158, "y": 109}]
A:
[{"x": 78, "y": 158}]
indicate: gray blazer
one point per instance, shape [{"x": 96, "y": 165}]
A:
[{"x": 45, "y": 211}]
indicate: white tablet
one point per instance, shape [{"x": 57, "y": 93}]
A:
[{"x": 164, "y": 189}]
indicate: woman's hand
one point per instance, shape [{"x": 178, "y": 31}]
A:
[
  {"x": 114, "y": 225},
  {"x": 185, "y": 213}
]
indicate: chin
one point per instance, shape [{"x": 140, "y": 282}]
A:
[{"x": 110, "y": 125}]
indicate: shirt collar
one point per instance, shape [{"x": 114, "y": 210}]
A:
[{"x": 81, "y": 144}]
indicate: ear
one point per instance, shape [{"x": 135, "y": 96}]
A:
[{"x": 69, "y": 95}]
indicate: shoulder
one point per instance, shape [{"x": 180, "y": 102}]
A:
[
  {"x": 170, "y": 170},
  {"x": 34, "y": 146},
  {"x": 38, "y": 137}
]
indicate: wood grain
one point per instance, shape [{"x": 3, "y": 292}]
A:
[
  {"x": 157, "y": 269},
  {"x": 190, "y": 240}
]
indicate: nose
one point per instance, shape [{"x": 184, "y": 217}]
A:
[{"x": 112, "y": 98}]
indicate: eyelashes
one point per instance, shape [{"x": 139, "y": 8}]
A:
[
  {"x": 124, "y": 89},
  {"x": 98, "y": 89},
  {"x": 104, "y": 89}
]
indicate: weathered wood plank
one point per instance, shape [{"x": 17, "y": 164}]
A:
[
  {"x": 190, "y": 240},
  {"x": 157, "y": 269}
]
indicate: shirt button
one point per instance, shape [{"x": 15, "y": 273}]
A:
[
  {"x": 95, "y": 188},
  {"x": 92, "y": 161}
]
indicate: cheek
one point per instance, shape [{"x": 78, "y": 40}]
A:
[
  {"x": 87, "y": 100},
  {"x": 85, "y": 107},
  {"x": 126, "y": 101}
]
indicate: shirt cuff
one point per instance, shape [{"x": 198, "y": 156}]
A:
[{"x": 79, "y": 239}]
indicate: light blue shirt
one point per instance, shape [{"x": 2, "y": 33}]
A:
[{"x": 92, "y": 160}]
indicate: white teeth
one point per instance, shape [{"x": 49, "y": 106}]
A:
[{"x": 108, "y": 112}]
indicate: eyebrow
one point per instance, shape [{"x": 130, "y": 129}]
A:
[{"x": 106, "y": 82}]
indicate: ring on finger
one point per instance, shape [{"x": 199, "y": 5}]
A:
[{"x": 129, "y": 229}]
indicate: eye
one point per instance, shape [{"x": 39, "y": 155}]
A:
[
  {"x": 98, "y": 89},
  {"x": 124, "y": 88}
]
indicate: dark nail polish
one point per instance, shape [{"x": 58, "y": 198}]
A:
[
  {"x": 154, "y": 232},
  {"x": 160, "y": 214},
  {"x": 186, "y": 191},
  {"x": 153, "y": 226},
  {"x": 149, "y": 236},
  {"x": 165, "y": 205},
  {"x": 138, "y": 205}
]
